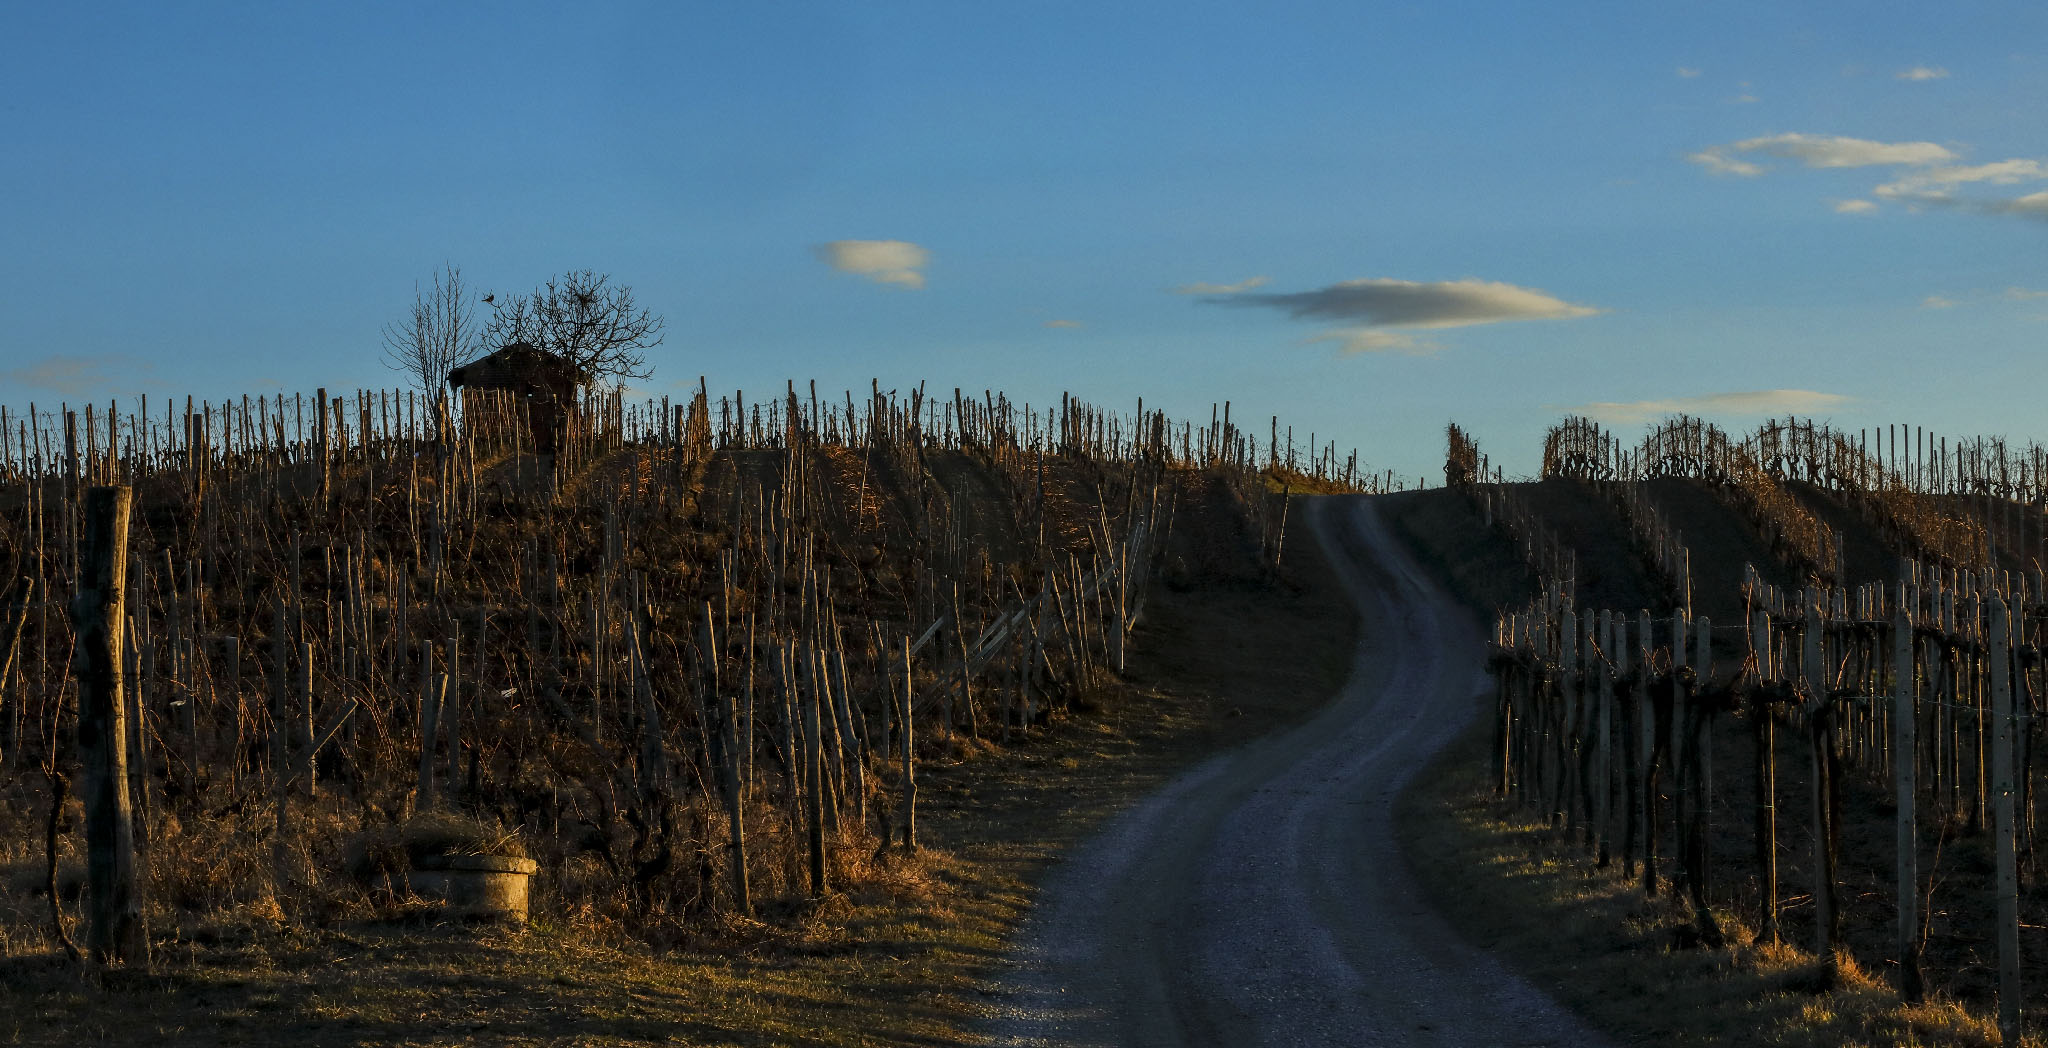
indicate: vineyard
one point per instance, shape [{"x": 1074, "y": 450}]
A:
[
  {"x": 684, "y": 661},
  {"x": 1823, "y": 725}
]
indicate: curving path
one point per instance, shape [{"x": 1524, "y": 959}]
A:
[{"x": 1261, "y": 899}]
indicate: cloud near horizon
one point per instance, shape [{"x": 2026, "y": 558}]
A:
[
  {"x": 1203, "y": 288},
  {"x": 897, "y": 262},
  {"x": 1353, "y": 341},
  {"x": 1982, "y": 298},
  {"x": 78, "y": 376},
  {"x": 1754, "y": 402},
  {"x": 1919, "y": 73}
]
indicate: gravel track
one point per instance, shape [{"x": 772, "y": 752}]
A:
[{"x": 1261, "y": 898}]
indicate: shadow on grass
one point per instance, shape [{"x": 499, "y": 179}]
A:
[{"x": 1510, "y": 884}]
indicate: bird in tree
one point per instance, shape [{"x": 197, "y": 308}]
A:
[{"x": 584, "y": 318}]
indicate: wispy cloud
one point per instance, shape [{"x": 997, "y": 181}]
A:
[
  {"x": 79, "y": 376},
  {"x": 2032, "y": 205},
  {"x": 1756, "y": 402},
  {"x": 1381, "y": 302},
  {"x": 1687, "y": 73},
  {"x": 1982, "y": 298},
  {"x": 1719, "y": 162},
  {"x": 1922, "y": 73},
  {"x": 1945, "y": 177},
  {"x": 897, "y": 262},
  {"x": 1062, "y": 323},
  {"x": 1352, "y": 341},
  {"x": 1930, "y": 177},
  {"x": 1240, "y": 287},
  {"x": 1818, "y": 151}
]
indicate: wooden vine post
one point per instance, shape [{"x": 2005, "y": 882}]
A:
[
  {"x": 814, "y": 800},
  {"x": 1602, "y": 782},
  {"x": 1905, "y": 768},
  {"x": 1765, "y": 737},
  {"x": 115, "y": 930},
  {"x": 2006, "y": 715},
  {"x": 728, "y": 767},
  {"x": 904, "y": 736},
  {"x": 1812, "y": 674}
]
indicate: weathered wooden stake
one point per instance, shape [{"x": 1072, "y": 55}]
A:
[
  {"x": 2005, "y": 715},
  {"x": 905, "y": 724},
  {"x": 1905, "y": 723},
  {"x": 114, "y": 902}
]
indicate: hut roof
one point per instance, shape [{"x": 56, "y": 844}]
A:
[{"x": 518, "y": 364}]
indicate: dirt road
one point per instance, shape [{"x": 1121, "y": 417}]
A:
[{"x": 1261, "y": 899}]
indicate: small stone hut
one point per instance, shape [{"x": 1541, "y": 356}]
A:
[{"x": 546, "y": 382}]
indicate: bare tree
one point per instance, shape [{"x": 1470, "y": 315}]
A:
[
  {"x": 583, "y": 318},
  {"x": 439, "y": 334}
]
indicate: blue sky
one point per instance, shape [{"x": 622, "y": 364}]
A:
[{"x": 1488, "y": 213}]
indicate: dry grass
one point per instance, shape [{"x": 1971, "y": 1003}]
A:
[{"x": 1595, "y": 943}]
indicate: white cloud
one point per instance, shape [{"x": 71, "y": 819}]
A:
[
  {"x": 1938, "y": 302},
  {"x": 1720, "y": 163},
  {"x": 1744, "y": 99},
  {"x": 1200, "y": 288},
  {"x": 1353, "y": 341},
  {"x": 1936, "y": 180},
  {"x": 1930, "y": 179},
  {"x": 1817, "y": 151},
  {"x": 2024, "y": 294},
  {"x": 2033, "y": 205},
  {"x": 1062, "y": 323},
  {"x": 897, "y": 262},
  {"x": 1842, "y": 151},
  {"x": 1922, "y": 73},
  {"x": 1687, "y": 73},
  {"x": 1757, "y": 402},
  {"x": 1381, "y": 302}
]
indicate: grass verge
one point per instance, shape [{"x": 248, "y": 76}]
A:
[{"x": 1512, "y": 885}]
